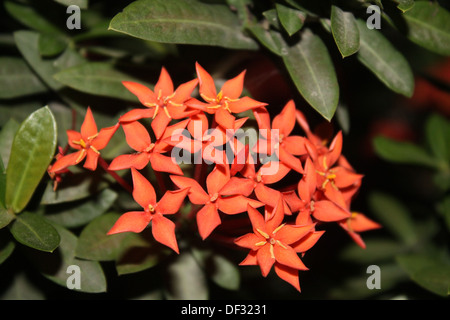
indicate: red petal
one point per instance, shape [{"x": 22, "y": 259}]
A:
[
  {"x": 289, "y": 275},
  {"x": 233, "y": 88},
  {"x": 134, "y": 221},
  {"x": 285, "y": 120},
  {"x": 91, "y": 160},
  {"x": 307, "y": 185},
  {"x": 256, "y": 219},
  {"x": 277, "y": 215},
  {"x": 127, "y": 161},
  {"x": 293, "y": 201},
  {"x": 196, "y": 193},
  {"x": 164, "y": 84},
  {"x": 345, "y": 178},
  {"x": 207, "y": 220},
  {"x": 265, "y": 260},
  {"x": 67, "y": 161},
  {"x": 359, "y": 223},
  {"x": 290, "y": 160},
  {"x": 267, "y": 195},
  {"x": 171, "y": 202},
  {"x": 144, "y": 94},
  {"x": 307, "y": 242},
  {"x": 184, "y": 91},
  {"x": 250, "y": 259},
  {"x": 88, "y": 128},
  {"x": 160, "y": 123},
  {"x": 328, "y": 211},
  {"x": 273, "y": 171},
  {"x": 288, "y": 257},
  {"x": 143, "y": 192},
  {"x": 137, "y": 114},
  {"x": 72, "y": 136},
  {"x": 244, "y": 104},
  {"x": 198, "y": 126},
  {"x": 289, "y": 234},
  {"x": 206, "y": 82},
  {"x": 248, "y": 241},
  {"x": 295, "y": 145},
  {"x": 218, "y": 177},
  {"x": 137, "y": 135},
  {"x": 163, "y": 231},
  {"x": 262, "y": 117},
  {"x": 224, "y": 118},
  {"x": 236, "y": 204},
  {"x": 238, "y": 185},
  {"x": 164, "y": 164},
  {"x": 104, "y": 136}
]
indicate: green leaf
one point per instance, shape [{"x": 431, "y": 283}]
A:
[
  {"x": 404, "y": 5},
  {"x": 17, "y": 79},
  {"x": 291, "y": 19},
  {"x": 271, "y": 39},
  {"x": 384, "y": 60},
  {"x": 428, "y": 25},
  {"x": 428, "y": 272},
  {"x": 402, "y": 152},
  {"x": 79, "y": 213},
  {"x": 312, "y": 71},
  {"x": 345, "y": 31},
  {"x": 437, "y": 130},
  {"x": 7, "y": 246},
  {"x": 51, "y": 45},
  {"x": 98, "y": 78},
  {"x": 31, "y": 153},
  {"x": 6, "y": 139},
  {"x": 444, "y": 210},
  {"x": 56, "y": 266},
  {"x": 182, "y": 287},
  {"x": 95, "y": 244},
  {"x": 182, "y": 22},
  {"x": 34, "y": 231},
  {"x": 83, "y": 4},
  {"x": 376, "y": 251},
  {"x": 2, "y": 184},
  {"x": 394, "y": 216}
]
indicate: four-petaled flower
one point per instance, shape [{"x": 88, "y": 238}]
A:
[
  {"x": 89, "y": 142},
  {"x": 270, "y": 244},
  {"x": 163, "y": 229},
  {"x": 224, "y": 103}
]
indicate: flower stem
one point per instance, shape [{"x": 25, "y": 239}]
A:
[{"x": 116, "y": 177}]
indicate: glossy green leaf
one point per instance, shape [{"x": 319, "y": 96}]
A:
[
  {"x": 98, "y": 78},
  {"x": 17, "y": 79},
  {"x": 7, "y": 247},
  {"x": 312, "y": 71},
  {"x": 404, "y": 5},
  {"x": 394, "y": 216},
  {"x": 345, "y": 31},
  {"x": 182, "y": 287},
  {"x": 402, "y": 152},
  {"x": 95, "y": 244},
  {"x": 31, "y": 153},
  {"x": 56, "y": 266},
  {"x": 428, "y": 25},
  {"x": 184, "y": 22},
  {"x": 271, "y": 39},
  {"x": 34, "y": 231},
  {"x": 428, "y": 272},
  {"x": 6, "y": 139},
  {"x": 291, "y": 19},
  {"x": 384, "y": 60},
  {"x": 79, "y": 213}
]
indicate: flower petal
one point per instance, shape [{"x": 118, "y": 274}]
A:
[
  {"x": 160, "y": 123},
  {"x": 288, "y": 257},
  {"x": 295, "y": 145},
  {"x": 232, "y": 88},
  {"x": 104, "y": 136},
  {"x": 250, "y": 259},
  {"x": 207, "y": 220},
  {"x": 290, "y": 275},
  {"x": 236, "y": 204},
  {"x": 256, "y": 219},
  {"x": 144, "y": 94},
  {"x": 273, "y": 171},
  {"x": 224, "y": 118},
  {"x": 172, "y": 201},
  {"x": 218, "y": 177},
  {"x": 265, "y": 260},
  {"x": 289, "y": 234},
  {"x": 244, "y": 104},
  {"x": 163, "y": 163},
  {"x": 163, "y": 231},
  {"x": 290, "y": 160},
  {"x": 328, "y": 211},
  {"x": 133, "y": 221},
  {"x": 307, "y": 242},
  {"x": 285, "y": 120},
  {"x": 91, "y": 160},
  {"x": 143, "y": 191},
  {"x": 206, "y": 82},
  {"x": 88, "y": 127},
  {"x": 184, "y": 91},
  {"x": 196, "y": 193},
  {"x": 248, "y": 241},
  {"x": 136, "y": 135},
  {"x": 308, "y": 183},
  {"x": 127, "y": 161},
  {"x": 137, "y": 114},
  {"x": 164, "y": 85},
  {"x": 360, "y": 223},
  {"x": 68, "y": 160},
  {"x": 72, "y": 136},
  {"x": 237, "y": 185}
]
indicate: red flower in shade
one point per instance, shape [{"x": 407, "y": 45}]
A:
[
  {"x": 89, "y": 142},
  {"x": 212, "y": 200},
  {"x": 333, "y": 178},
  {"x": 164, "y": 104},
  {"x": 278, "y": 139},
  {"x": 312, "y": 201},
  {"x": 224, "y": 103},
  {"x": 139, "y": 139},
  {"x": 270, "y": 244},
  {"x": 163, "y": 229},
  {"x": 356, "y": 224}
]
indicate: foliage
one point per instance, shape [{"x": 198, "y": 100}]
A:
[{"x": 342, "y": 75}]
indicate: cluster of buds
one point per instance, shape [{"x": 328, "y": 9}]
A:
[{"x": 234, "y": 173}]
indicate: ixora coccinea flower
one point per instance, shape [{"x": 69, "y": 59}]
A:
[
  {"x": 270, "y": 244},
  {"x": 88, "y": 142},
  {"x": 163, "y": 104},
  {"x": 163, "y": 229},
  {"x": 224, "y": 103}
]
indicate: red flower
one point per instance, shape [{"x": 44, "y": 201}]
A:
[
  {"x": 144, "y": 194},
  {"x": 270, "y": 244},
  {"x": 224, "y": 103},
  {"x": 164, "y": 104},
  {"x": 89, "y": 142},
  {"x": 278, "y": 138},
  {"x": 356, "y": 224},
  {"x": 212, "y": 200},
  {"x": 139, "y": 139}
]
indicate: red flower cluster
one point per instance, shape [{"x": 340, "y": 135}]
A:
[{"x": 284, "y": 222}]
